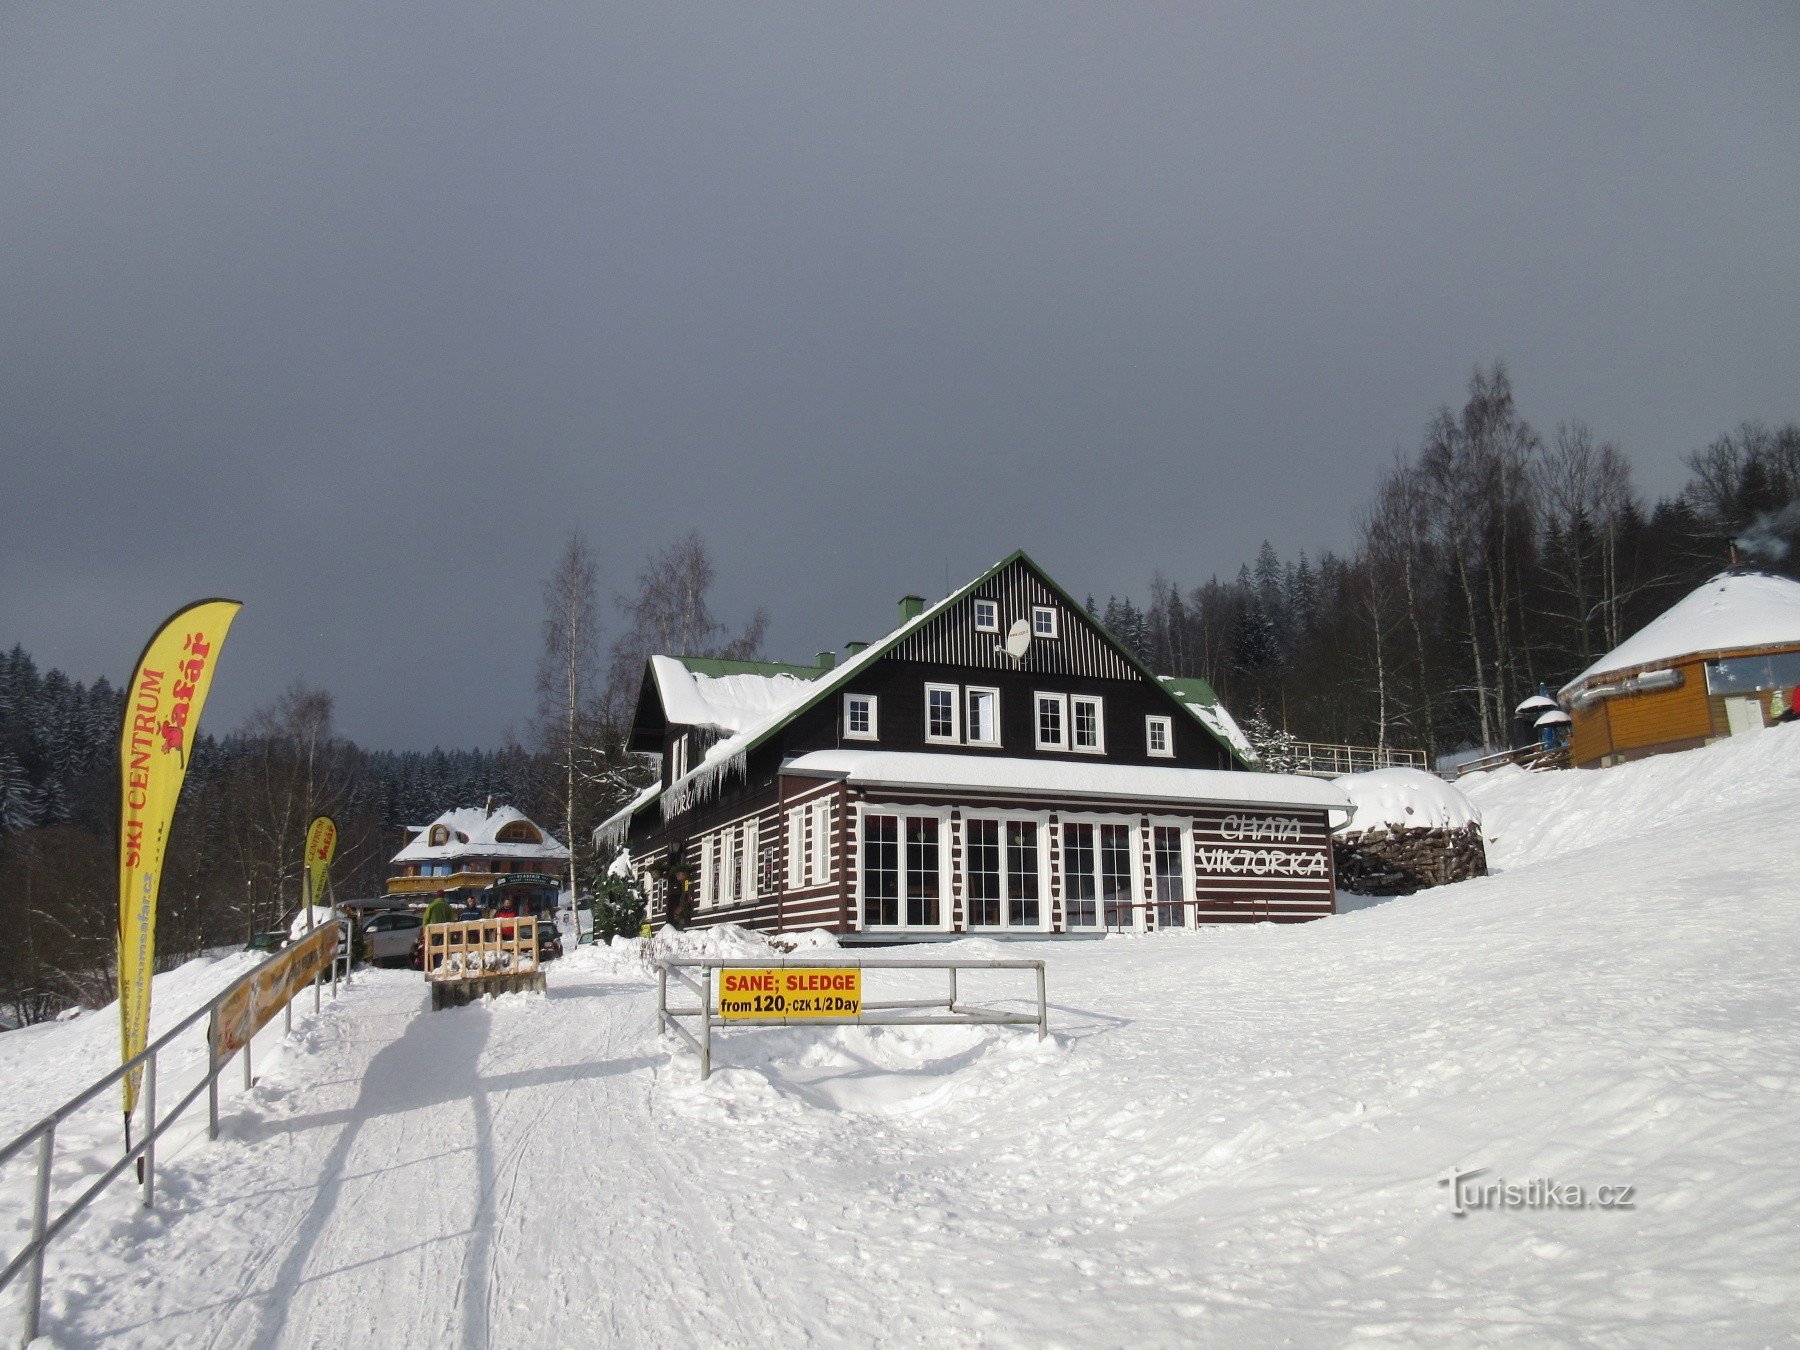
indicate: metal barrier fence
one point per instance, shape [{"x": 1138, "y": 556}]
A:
[
  {"x": 44, "y": 1228},
  {"x": 905, "y": 1012},
  {"x": 1318, "y": 760}
]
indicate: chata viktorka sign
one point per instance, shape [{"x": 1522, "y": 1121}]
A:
[{"x": 775, "y": 991}]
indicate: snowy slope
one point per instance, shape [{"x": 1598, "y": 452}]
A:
[{"x": 1235, "y": 1135}]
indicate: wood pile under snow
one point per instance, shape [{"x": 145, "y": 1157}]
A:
[{"x": 1408, "y": 830}]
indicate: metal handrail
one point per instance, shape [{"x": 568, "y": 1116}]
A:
[
  {"x": 891, "y": 1012},
  {"x": 44, "y": 1229},
  {"x": 1321, "y": 757}
]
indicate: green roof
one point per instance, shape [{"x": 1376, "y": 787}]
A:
[{"x": 1191, "y": 689}]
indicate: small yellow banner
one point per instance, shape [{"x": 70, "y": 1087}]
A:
[
  {"x": 321, "y": 846},
  {"x": 790, "y": 992}
]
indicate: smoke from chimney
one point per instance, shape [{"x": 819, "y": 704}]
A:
[{"x": 1767, "y": 538}]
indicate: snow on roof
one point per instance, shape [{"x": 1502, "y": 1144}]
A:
[
  {"x": 1731, "y": 612},
  {"x": 1407, "y": 799},
  {"x": 1197, "y": 697},
  {"x": 1066, "y": 778},
  {"x": 472, "y": 830},
  {"x": 1556, "y": 717},
  {"x": 1536, "y": 703},
  {"x": 729, "y": 702}
]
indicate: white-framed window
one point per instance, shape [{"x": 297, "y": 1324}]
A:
[
  {"x": 678, "y": 757},
  {"x": 749, "y": 835},
  {"x": 1100, "y": 873},
  {"x": 859, "y": 717},
  {"x": 1159, "y": 737},
  {"x": 1043, "y": 621},
  {"x": 1005, "y": 872},
  {"x": 904, "y": 880},
  {"x": 1051, "y": 712},
  {"x": 809, "y": 844},
  {"x": 981, "y": 715},
  {"x": 942, "y": 721},
  {"x": 1171, "y": 867},
  {"x": 1087, "y": 724},
  {"x": 987, "y": 616},
  {"x": 820, "y": 830},
  {"x": 709, "y": 870}
]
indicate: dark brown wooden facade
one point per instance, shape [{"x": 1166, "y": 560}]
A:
[{"x": 773, "y": 845}]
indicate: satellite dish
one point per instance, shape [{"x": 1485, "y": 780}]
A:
[{"x": 1018, "y": 639}]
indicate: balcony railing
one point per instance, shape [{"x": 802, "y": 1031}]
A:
[{"x": 1318, "y": 760}]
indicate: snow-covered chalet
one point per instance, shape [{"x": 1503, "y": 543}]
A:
[
  {"x": 471, "y": 854},
  {"x": 997, "y": 764}
]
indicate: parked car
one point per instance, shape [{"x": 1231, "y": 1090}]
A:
[
  {"x": 548, "y": 939},
  {"x": 389, "y": 937}
]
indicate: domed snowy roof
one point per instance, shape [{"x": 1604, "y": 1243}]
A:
[
  {"x": 1404, "y": 799},
  {"x": 1735, "y": 611}
]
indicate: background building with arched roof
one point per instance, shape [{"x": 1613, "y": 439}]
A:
[{"x": 1722, "y": 661}]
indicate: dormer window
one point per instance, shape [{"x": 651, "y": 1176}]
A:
[
  {"x": 440, "y": 835},
  {"x": 1043, "y": 621},
  {"x": 518, "y": 832},
  {"x": 859, "y": 717},
  {"x": 987, "y": 616}
]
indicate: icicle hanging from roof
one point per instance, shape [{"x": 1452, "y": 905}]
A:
[{"x": 703, "y": 783}]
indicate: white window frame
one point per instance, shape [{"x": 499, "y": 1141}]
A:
[
  {"x": 955, "y": 692},
  {"x": 1167, "y": 724},
  {"x": 969, "y": 691},
  {"x": 993, "y": 609},
  {"x": 678, "y": 757},
  {"x": 796, "y": 845},
  {"x": 1099, "y": 745},
  {"x": 1135, "y": 841},
  {"x": 1190, "y": 906},
  {"x": 709, "y": 871},
  {"x": 1053, "y": 630},
  {"x": 945, "y": 899},
  {"x": 751, "y": 831},
  {"x": 823, "y": 865},
  {"x": 1037, "y": 725},
  {"x": 874, "y": 731},
  {"x": 1041, "y": 819}
]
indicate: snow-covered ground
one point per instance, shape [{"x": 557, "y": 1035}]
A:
[{"x": 1236, "y": 1135}]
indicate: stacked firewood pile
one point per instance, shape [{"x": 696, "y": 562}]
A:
[{"x": 1391, "y": 861}]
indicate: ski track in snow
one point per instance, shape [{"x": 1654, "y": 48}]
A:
[{"x": 1235, "y": 1135}]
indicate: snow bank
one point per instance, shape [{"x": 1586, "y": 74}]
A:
[
  {"x": 1404, "y": 799},
  {"x": 638, "y": 956},
  {"x": 1539, "y": 817},
  {"x": 302, "y": 924}
]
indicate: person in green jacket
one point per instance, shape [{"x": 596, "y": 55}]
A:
[{"x": 438, "y": 911}]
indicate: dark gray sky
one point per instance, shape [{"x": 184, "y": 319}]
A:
[{"x": 366, "y": 305}]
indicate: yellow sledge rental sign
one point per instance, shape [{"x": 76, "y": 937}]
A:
[{"x": 790, "y": 992}]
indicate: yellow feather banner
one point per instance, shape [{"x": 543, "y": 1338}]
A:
[
  {"x": 162, "y": 715},
  {"x": 321, "y": 847}
]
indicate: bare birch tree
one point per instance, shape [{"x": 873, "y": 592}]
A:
[
  {"x": 670, "y": 613},
  {"x": 568, "y": 680}
]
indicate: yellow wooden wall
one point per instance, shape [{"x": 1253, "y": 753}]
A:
[{"x": 1638, "y": 721}]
